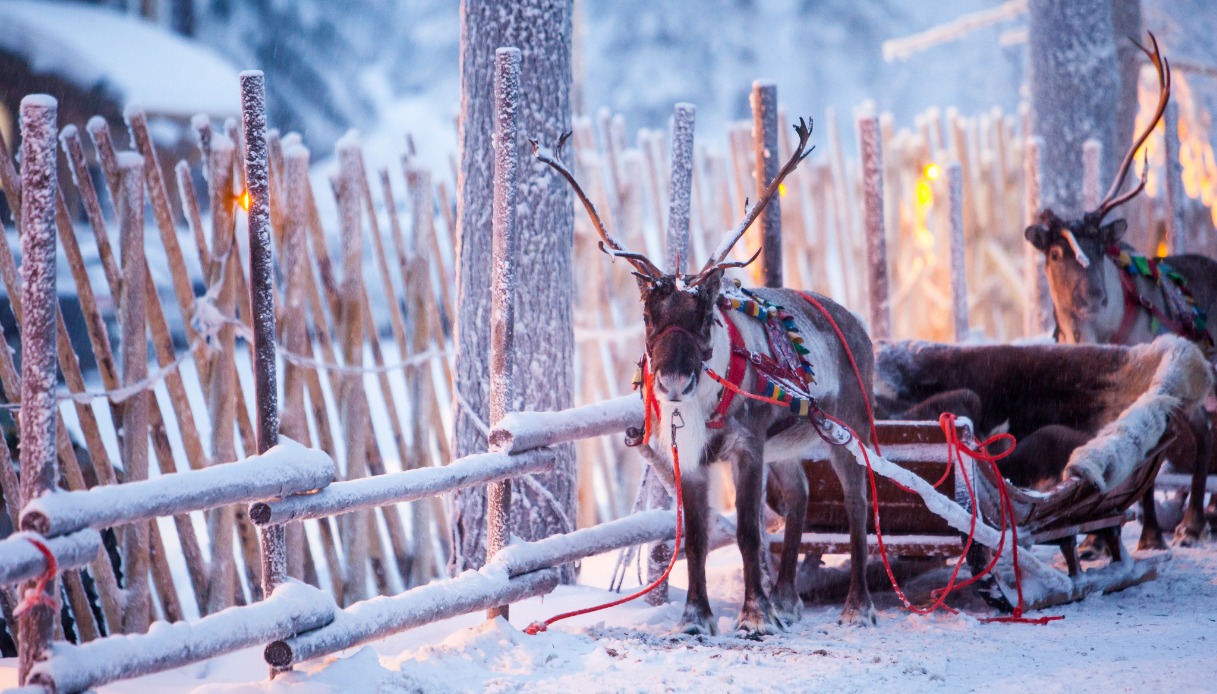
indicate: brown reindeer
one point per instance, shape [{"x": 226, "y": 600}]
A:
[
  {"x": 1103, "y": 293},
  {"x": 687, "y": 338}
]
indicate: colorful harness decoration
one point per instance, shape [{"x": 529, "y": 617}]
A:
[{"x": 1182, "y": 316}]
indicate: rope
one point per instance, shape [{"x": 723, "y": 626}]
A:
[
  {"x": 37, "y": 595},
  {"x": 537, "y": 627},
  {"x": 305, "y": 361}
]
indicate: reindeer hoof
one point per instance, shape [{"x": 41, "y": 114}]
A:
[
  {"x": 1092, "y": 549},
  {"x": 787, "y": 604},
  {"x": 859, "y": 612},
  {"x": 697, "y": 622},
  {"x": 1151, "y": 540},
  {"x": 757, "y": 619},
  {"x": 1190, "y": 537}
]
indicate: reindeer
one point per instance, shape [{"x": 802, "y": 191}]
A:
[
  {"x": 687, "y": 343},
  {"x": 1096, "y": 300}
]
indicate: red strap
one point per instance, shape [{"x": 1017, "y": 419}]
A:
[
  {"x": 735, "y": 372},
  {"x": 1131, "y": 305}
]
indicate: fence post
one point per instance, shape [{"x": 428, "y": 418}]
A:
[
  {"x": 959, "y": 268},
  {"x": 1176, "y": 230},
  {"x": 37, "y": 422},
  {"x": 872, "y": 223},
  {"x": 1092, "y": 165},
  {"x": 765, "y": 139},
  {"x": 680, "y": 188},
  {"x": 134, "y": 412},
  {"x": 262, "y": 303},
  {"x": 503, "y": 284},
  {"x": 1038, "y": 317}
]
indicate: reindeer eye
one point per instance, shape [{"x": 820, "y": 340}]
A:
[{"x": 1056, "y": 253}]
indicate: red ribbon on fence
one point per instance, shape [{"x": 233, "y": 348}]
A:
[{"x": 38, "y": 595}]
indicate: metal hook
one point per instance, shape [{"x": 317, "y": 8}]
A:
[{"x": 677, "y": 416}]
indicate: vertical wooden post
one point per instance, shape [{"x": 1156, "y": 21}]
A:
[
  {"x": 959, "y": 270},
  {"x": 134, "y": 412},
  {"x": 872, "y": 219},
  {"x": 765, "y": 140},
  {"x": 1092, "y": 164},
  {"x": 1176, "y": 199},
  {"x": 262, "y": 302},
  {"x": 680, "y": 188},
  {"x": 1038, "y": 317},
  {"x": 37, "y": 422},
  {"x": 503, "y": 284}
]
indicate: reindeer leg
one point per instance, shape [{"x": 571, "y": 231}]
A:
[
  {"x": 858, "y": 606},
  {"x": 697, "y": 618},
  {"x": 757, "y": 617},
  {"x": 1194, "y": 528},
  {"x": 788, "y": 477},
  {"x": 1151, "y": 531}
]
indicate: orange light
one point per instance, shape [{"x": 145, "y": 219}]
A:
[
  {"x": 243, "y": 200},
  {"x": 782, "y": 190},
  {"x": 1162, "y": 250},
  {"x": 932, "y": 171}
]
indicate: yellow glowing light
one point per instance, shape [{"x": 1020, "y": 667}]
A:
[
  {"x": 1162, "y": 249},
  {"x": 782, "y": 190},
  {"x": 243, "y": 200},
  {"x": 924, "y": 195},
  {"x": 933, "y": 171}
]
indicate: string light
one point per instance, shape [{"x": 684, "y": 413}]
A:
[{"x": 243, "y": 200}]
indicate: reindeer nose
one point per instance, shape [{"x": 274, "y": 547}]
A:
[{"x": 673, "y": 386}]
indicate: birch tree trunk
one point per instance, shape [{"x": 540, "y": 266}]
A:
[
  {"x": 1075, "y": 93},
  {"x": 544, "y": 337}
]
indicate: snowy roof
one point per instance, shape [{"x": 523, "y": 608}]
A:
[{"x": 133, "y": 60}]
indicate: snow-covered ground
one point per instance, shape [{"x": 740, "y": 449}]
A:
[{"x": 1151, "y": 637}]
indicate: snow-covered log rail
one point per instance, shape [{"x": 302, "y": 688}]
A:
[
  {"x": 292, "y": 608},
  {"x": 370, "y": 620},
  {"x": 21, "y": 560},
  {"x": 286, "y": 469},
  {"x": 411, "y": 485},
  {"x": 522, "y": 431},
  {"x": 526, "y": 557}
]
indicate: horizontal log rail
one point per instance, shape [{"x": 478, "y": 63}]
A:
[
  {"x": 411, "y": 485},
  {"x": 292, "y": 608},
  {"x": 526, "y": 557},
  {"x": 374, "y": 619},
  {"x": 21, "y": 560},
  {"x": 522, "y": 431},
  {"x": 288, "y": 468}
]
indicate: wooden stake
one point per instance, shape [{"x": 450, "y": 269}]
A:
[{"x": 768, "y": 161}]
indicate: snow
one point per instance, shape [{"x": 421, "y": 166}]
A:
[
  {"x": 20, "y": 560},
  {"x": 1148, "y": 638},
  {"x": 95, "y": 48},
  {"x": 288, "y": 468},
  {"x": 522, "y": 431},
  {"x": 292, "y": 608}
]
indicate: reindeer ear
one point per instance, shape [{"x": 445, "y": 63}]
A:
[
  {"x": 644, "y": 284},
  {"x": 1039, "y": 236},
  {"x": 1113, "y": 232},
  {"x": 709, "y": 287}
]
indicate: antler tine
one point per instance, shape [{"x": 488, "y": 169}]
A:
[
  {"x": 1110, "y": 201},
  {"x": 698, "y": 279},
  {"x": 803, "y": 128},
  {"x": 1135, "y": 191},
  {"x": 639, "y": 261}
]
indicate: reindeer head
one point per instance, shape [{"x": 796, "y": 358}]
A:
[
  {"x": 678, "y": 309},
  {"x": 1075, "y": 249}
]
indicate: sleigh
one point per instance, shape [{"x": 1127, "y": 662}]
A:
[{"x": 1130, "y": 396}]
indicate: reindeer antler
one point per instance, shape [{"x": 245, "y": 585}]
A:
[
  {"x": 641, "y": 263},
  {"x": 803, "y": 128},
  {"x": 1110, "y": 201}
]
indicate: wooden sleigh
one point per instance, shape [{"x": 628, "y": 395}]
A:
[{"x": 1130, "y": 396}]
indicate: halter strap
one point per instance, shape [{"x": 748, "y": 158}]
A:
[{"x": 735, "y": 372}]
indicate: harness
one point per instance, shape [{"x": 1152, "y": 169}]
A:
[
  {"x": 782, "y": 379},
  {"x": 1182, "y": 317}
]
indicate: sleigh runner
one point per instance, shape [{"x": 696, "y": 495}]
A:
[{"x": 1131, "y": 399}]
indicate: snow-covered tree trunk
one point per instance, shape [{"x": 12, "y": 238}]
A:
[
  {"x": 765, "y": 145},
  {"x": 1092, "y": 163},
  {"x": 134, "y": 412},
  {"x": 1075, "y": 91},
  {"x": 503, "y": 283},
  {"x": 544, "y": 336},
  {"x": 37, "y": 422},
  {"x": 1126, "y": 21},
  {"x": 262, "y": 302},
  {"x": 872, "y": 225}
]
